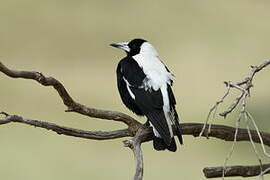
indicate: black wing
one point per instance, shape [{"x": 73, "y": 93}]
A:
[{"x": 122, "y": 87}]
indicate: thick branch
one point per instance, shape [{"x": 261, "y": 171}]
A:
[
  {"x": 72, "y": 105},
  {"x": 218, "y": 131},
  {"x": 244, "y": 171},
  {"x": 135, "y": 145}
]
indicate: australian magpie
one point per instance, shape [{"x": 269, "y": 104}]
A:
[{"x": 144, "y": 84}]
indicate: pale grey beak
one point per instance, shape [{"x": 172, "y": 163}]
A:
[{"x": 121, "y": 45}]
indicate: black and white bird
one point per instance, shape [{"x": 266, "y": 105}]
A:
[{"x": 144, "y": 84}]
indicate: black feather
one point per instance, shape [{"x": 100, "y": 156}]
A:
[
  {"x": 160, "y": 145},
  {"x": 176, "y": 118},
  {"x": 172, "y": 147},
  {"x": 122, "y": 87}
]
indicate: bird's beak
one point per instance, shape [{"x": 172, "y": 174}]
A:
[{"x": 121, "y": 45}]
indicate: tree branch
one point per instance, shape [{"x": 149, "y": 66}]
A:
[
  {"x": 72, "y": 105},
  {"x": 135, "y": 145},
  {"x": 244, "y": 171},
  {"x": 225, "y": 133},
  {"x": 246, "y": 89},
  {"x": 97, "y": 135}
]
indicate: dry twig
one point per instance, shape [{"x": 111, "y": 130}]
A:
[{"x": 244, "y": 87}]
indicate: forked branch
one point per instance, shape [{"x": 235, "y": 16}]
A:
[{"x": 247, "y": 82}]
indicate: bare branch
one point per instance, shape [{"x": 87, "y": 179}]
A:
[
  {"x": 233, "y": 145},
  {"x": 135, "y": 145},
  {"x": 244, "y": 171},
  {"x": 253, "y": 71},
  {"x": 213, "y": 110},
  {"x": 248, "y": 84},
  {"x": 225, "y": 133},
  {"x": 97, "y": 135},
  {"x": 72, "y": 105},
  {"x": 235, "y": 102},
  {"x": 244, "y": 87}
]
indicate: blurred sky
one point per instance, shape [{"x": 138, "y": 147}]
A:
[{"x": 202, "y": 42}]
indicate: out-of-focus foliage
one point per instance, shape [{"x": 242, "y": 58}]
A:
[{"x": 202, "y": 42}]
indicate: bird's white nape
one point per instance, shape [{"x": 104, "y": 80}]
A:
[{"x": 147, "y": 48}]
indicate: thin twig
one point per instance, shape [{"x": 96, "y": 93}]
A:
[
  {"x": 258, "y": 133},
  {"x": 97, "y": 135},
  {"x": 244, "y": 93},
  {"x": 251, "y": 140},
  {"x": 214, "y": 109},
  {"x": 266, "y": 171},
  {"x": 236, "y": 101},
  {"x": 232, "y": 147},
  {"x": 248, "y": 84}
]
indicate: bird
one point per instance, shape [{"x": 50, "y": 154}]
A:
[{"x": 144, "y": 84}]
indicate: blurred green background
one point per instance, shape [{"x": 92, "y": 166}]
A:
[{"x": 202, "y": 42}]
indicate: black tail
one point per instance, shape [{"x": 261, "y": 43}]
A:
[
  {"x": 177, "y": 127},
  {"x": 160, "y": 145},
  {"x": 177, "y": 131}
]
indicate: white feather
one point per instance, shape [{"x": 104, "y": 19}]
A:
[
  {"x": 166, "y": 107},
  {"x": 128, "y": 88},
  {"x": 156, "y": 133}
]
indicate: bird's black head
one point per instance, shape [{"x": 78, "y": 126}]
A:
[
  {"x": 135, "y": 46},
  {"x": 131, "y": 48}
]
